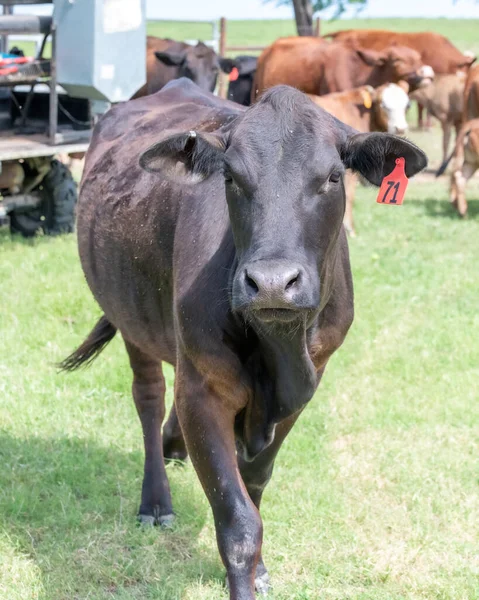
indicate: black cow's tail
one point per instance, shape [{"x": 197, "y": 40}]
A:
[
  {"x": 443, "y": 167},
  {"x": 100, "y": 335}
]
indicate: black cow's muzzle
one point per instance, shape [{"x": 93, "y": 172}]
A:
[{"x": 273, "y": 290}]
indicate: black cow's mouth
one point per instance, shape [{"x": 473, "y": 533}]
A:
[{"x": 270, "y": 315}]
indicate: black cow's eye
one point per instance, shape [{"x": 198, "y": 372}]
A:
[
  {"x": 228, "y": 177},
  {"x": 334, "y": 177}
]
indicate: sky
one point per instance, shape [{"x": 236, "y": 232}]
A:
[{"x": 256, "y": 9}]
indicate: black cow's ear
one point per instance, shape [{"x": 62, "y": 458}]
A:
[
  {"x": 171, "y": 58},
  {"x": 226, "y": 64},
  {"x": 374, "y": 155},
  {"x": 190, "y": 157}
]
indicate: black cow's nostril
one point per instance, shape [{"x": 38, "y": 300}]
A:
[
  {"x": 293, "y": 281},
  {"x": 251, "y": 283}
]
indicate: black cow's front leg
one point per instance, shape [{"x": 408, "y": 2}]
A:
[
  {"x": 256, "y": 474},
  {"x": 208, "y": 426}
]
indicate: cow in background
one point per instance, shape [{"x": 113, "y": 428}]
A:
[
  {"x": 444, "y": 100},
  {"x": 465, "y": 163},
  {"x": 435, "y": 49},
  {"x": 167, "y": 60},
  {"x": 316, "y": 67},
  {"x": 471, "y": 95},
  {"x": 241, "y": 70}
]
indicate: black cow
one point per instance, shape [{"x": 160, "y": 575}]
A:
[
  {"x": 222, "y": 252},
  {"x": 241, "y": 71},
  {"x": 167, "y": 60}
]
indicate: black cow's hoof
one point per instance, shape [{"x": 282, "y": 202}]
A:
[
  {"x": 166, "y": 521},
  {"x": 262, "y": 584},
  {"x": 163, "y": 521},
  {"x": 146, "y": 521}
]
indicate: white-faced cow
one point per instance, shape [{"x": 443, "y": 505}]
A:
[{"x": 212, "y": 238}]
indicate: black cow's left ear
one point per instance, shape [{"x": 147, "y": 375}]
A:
[
  {"x": 188, "y": 156},
  {"x": 171, "y": 58},
  {"x": 374, "y": 155}
]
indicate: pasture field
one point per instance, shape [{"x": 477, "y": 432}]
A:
[
  {"x": 375, "y": 494},
  {"x": 463, "y": 32}
]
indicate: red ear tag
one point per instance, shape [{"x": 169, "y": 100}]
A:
[
  {"x": 393, "y": 186},
  {"x": 234, "y": 74}
]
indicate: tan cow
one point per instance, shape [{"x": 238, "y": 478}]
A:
[
  {"x": 465, "y": 163},
  {"x": 471, "y": 95},
  {"x": 444, "y": 99}
]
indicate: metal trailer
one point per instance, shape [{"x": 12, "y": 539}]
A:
[{"x": 49, "y": 105}]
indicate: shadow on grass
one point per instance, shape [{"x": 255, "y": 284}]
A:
[
  {"x": 443, "y": 208},
  {"x": 71, "y": 505}
]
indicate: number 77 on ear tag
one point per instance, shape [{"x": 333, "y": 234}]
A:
[{"x": 394, "y": 185}]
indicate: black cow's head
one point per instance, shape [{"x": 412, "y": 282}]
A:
[
  {"x": 241, "y": 70},
  {"x": 282, "y": 166},
  {"x": 198, "y": 63}
]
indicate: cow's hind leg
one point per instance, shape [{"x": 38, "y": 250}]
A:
[
  {"x": 461, "y": 179},
  {"x": 256, "y": 474},
  {"x": 174, "y": 447},
  {"x": 149, "y": 396}
]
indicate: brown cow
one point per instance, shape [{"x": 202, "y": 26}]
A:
[
  {"x": 367, "y": 109},
  {"x": 435, "y": 49},
  {"x": 471, "y": 95},
  {"x": 167, "y": 60},
  {"x": 222, "y": 252},
  {"x": 316, "y": 67},
  {"x": 444, "y": 99},
  {"x": 465, "y": 163}
]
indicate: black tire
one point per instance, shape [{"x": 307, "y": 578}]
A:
[{"x": 56, "y": 213}]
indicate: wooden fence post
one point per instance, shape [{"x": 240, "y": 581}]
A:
[
  {"x": 223, "y": 84},
  {"x": 317, "y": 27}
]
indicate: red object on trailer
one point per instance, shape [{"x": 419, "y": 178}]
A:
[
  {"x": 20, "y": 60},
  {"x": 8, "y": 71}
]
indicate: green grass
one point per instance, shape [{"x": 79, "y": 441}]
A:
[{"x": 375, "y": 495}]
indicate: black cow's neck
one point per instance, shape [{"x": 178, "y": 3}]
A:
[
  {"x": 283, "y": 380},
  {"x": 292, "y": 372}
]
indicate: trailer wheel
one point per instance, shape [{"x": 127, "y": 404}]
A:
[{"x": 56, "y": 212}]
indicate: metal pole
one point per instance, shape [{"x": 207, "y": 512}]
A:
[
  {"x": 215, "y": 36},
  {"x": 223, "y": 87},
  {"x": 52, "y": 130},
  {"x": 7, "y": 10}
]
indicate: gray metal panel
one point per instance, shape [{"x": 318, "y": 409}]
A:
[
  {"x": 25, "y": 24},
  {"x": 101, "y": 47}
]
